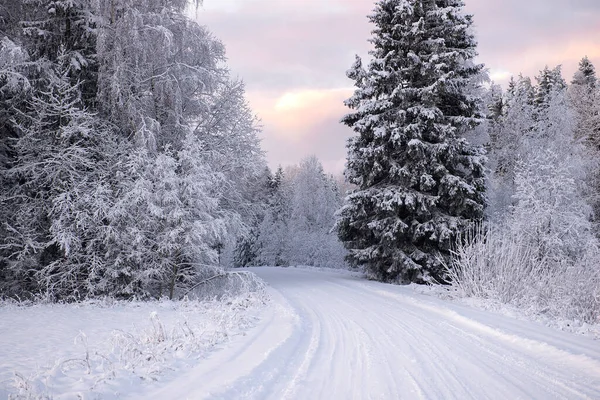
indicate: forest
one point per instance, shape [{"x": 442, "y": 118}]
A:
[
  {"x": 150, "y": 248},
  {"x": 131, "y": 164}
]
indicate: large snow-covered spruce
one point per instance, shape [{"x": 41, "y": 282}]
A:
[{"x": 420, "y": 183}]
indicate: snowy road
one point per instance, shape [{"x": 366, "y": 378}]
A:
[{"x": 333, "y": 336}]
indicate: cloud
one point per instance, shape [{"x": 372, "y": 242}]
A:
[
  {"x": 299, "y": 123},
  {"x": 294, "y": 113},
  {"x": 500, "y": 76},
  {"x": 524, "y": 36}
]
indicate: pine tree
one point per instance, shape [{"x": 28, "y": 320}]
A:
[
  {"x": 584, "y": 94},
  {"x": 66, "y": 27},
  {"x": 549, "y": 81},
  {"x": 586, "y": 74},
  {"x": 15, "y": 90},
  {"x": 420, "y": 183},
  {"x": 495, "y": 104}
]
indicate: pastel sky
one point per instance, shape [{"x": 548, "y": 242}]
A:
[{"x": 293, "y": 55}]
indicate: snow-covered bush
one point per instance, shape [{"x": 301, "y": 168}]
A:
[
  {"x": 499, "y": 264},
  {"x": 225, "y": 284},
  {"x": 491, "y": 263}
]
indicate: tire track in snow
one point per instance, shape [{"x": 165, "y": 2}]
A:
[
  {"x": 337, "y": 337},
  {"x": 586, "y": 366}
]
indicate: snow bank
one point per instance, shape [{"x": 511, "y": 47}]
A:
[
  {"x": 454, "y": 295},
  {"x": 107, "y": 349}
]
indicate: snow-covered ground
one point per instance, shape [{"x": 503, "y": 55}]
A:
[
  {"x": 330, "y": 335},
  {"x": 110, "y": 350}
]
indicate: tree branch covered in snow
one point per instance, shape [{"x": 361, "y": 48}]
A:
[{"x": 130, "y": 155}]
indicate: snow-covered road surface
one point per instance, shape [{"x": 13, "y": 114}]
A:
[{"x": 330, "y": 335}]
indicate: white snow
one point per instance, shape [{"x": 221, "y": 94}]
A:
[
  {"x": 336, "y": 336},
  {"x": 330, "y": 335},
  {"x": 110, "y": 350}
]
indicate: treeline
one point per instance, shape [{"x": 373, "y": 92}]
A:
[
  {"x": 540, "y": 248},
  {"x": 297, "y": 219},
  {"x": 128, "y": 154}
]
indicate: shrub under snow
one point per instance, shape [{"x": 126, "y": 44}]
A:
[{"x": 496, "y": 264}]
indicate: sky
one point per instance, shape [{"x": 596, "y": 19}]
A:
[{"x": 293, "y": 55}]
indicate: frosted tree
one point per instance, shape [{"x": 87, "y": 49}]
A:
[
  {"x": 296, "y": 228},
  {"x": 68, "y": 27},
  {"x": 586, "y": 74},
  {"x": 272, "y": 231},
  {"x": 157, "y": 70},
  {"x": 313, "y": 201},
  {"x": 133, "y": 151},
  {"x": 15, "y": 90},
  {"x": 259, "y": 193},
  {"x": 495, "y": 102},
  {"x": 163, "y": 81},
  {"x": 10, "y": 14},
  {"x": 62, "y": 159},
  {"x": 549, "y": 80},
  {"x": 507, "y": 147},
  {"x": 167, "y": 221},
  {"x": 584, "y": 97},
  {"x": 229, "y": 133},
  {"x": 584, "y": 94},
  {"x": 419, "y": 182},
  {"x": 551, "y": 210}
]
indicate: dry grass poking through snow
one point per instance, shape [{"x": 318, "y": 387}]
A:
[
  {"x": 169, "y": 336},
  {"x": 500, "y": 267}
]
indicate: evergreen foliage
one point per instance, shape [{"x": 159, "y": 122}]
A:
[
  {"x": 585, "y": 98},
  {"x": 420, "y": 183},
  {"x": 539, "y": 250},
  {"x": 63, "y": 156},
  {"x": 549, "y": 81},
  {"x": 586, "y": 74}
]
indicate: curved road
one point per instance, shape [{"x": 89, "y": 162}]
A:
[{"x": 330, "y": 335}]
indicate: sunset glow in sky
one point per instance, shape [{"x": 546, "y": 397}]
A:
[{"x": 293, "y": 55}]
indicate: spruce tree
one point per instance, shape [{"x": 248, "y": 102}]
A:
[
  {"x": 62, "y": 163},
  {"x": 586, "y": 74},
  {"x": 584, "y": 95},
  {"x": 67, "y": 27},
  {"x": 549, "y": 81},
  {"x": 420, "y": 183}
]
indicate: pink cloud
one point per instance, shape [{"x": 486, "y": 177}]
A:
[
  {"x": 298, "y": 51},
  {"x": 303, "y": 122}
]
